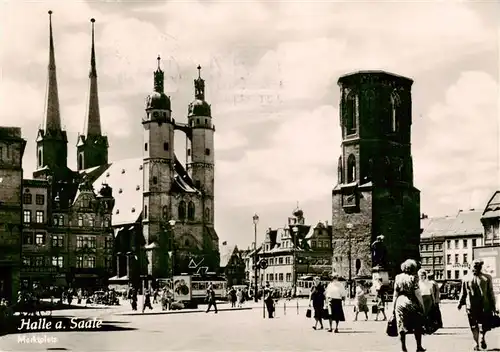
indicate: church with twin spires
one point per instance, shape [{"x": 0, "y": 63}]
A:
[{"x": 158, "y": 213}]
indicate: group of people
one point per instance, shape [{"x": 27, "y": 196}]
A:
[
  {"x": 416, "y": 304},
  {"x": 332, "y": 297},
  {"x": 237, "y": 297}
]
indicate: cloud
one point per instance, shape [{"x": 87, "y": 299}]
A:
[
  {"x": 457, "y": 163},
  {"x": 271, "y": 72}
]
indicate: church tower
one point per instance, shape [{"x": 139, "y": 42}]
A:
[
  {"x": 51, "y": 141},
  {"x": 158, "y": 168},
  {"x": 375, "y": 194},
  {"x": 200, "y": 161},
  {"x": 92, "y": 146}
]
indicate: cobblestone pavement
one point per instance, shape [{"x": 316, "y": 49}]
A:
[{"x": 243, "y": 330}]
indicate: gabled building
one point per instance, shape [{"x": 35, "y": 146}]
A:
[
  {"x": 232, "y": 264},
  {"x": 490, "y": 218}
]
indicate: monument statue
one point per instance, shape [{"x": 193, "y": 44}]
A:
[{"x": 379, "y": 253}]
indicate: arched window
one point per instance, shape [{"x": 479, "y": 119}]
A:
[
  {"x": 351, "y": 113},
  {"x": 207, "y": 213},
  {"x": 80, "y": 220},
  {"x": 80, "y": 161},
  {"x": 351, "y": 169},
  {"x": 191, "y": 211},
  {"x": 339, "y": 171},
  {"x": 39, "y": 157},
  {"x": 182, "y": 210},
  {"x": 164, "y": 212},
  {"x": 358, "y": 266},
  {"x": 395, "y": 103},
  {"x": 145, "y": 212}
]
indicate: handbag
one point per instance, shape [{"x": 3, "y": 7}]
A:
[
  {"x": 392, "y": 327},
  {"x": 495, "y": 321},
  {"x": 308, "y": 313},
  {"x": 325, "y": 314},
  {"x": 374, "y": 309}
]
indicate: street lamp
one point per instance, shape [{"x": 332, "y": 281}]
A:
[
  {"x": 349, "y": 228},
  {"x": 255, "y": 222},
  {"x": 295, "y": 230},
  {"x": 171, "y": 223}
]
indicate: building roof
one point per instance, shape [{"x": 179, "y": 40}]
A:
[
  {"x": 465, "y": 223},
  {"x": 492, "y": 209},
  {"x": 35, "y": 183},
  {"x": 226, "y": 252}
]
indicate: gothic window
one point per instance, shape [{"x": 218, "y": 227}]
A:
[
  {"x": 145, "y": 212},
  {"x": 207, "y": 151},
  {"x": 351, "y": 113},
  {"x": 39, "y": 157},
  {"x": 395, "y": 103},
  {"x": 80, "y": 161},
  {"x": 189, "y": 152},
  {"x": 207, "y": 213},
  {"x": 351, "y": 169},
  {"x": 155, "y": 180},
  {"x": 191, "y": 211},
  {"x": 145, "y": 147},
  {"x": 339, "y": 171},
  {"x": 165, "y": 146},
  {"x": 164, "y": 212},
  {"x": 182, "y": 210}
]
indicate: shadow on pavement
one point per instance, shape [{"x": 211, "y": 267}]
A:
[{"x": 18, "y": 325}]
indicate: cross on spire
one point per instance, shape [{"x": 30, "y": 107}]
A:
[
  {"x": 159, "y": 60},
  {"x": 199, "y": 71}
]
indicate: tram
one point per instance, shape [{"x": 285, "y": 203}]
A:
[
  {"x": 305, "y": 283},
  {"x": 200, "y": 284}
]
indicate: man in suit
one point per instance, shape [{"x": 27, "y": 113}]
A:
[{"x": 478, "y": 297}]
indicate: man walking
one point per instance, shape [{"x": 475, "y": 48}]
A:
[
  {"x": 478, "y": 297},
  {"x": 211, "y": 299}
]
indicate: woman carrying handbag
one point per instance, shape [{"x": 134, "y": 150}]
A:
[{"x": 318, "y": 302}]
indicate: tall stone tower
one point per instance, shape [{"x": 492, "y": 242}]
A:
[
  {"x": 158, "y": 169},
  {"x": 12, "y": 147},
  {"x": 375, "y": 193},
  {"x": 52, "y": 140},
  {"x": 92, "y": 146},
  {"x": 200, "y": 161}
]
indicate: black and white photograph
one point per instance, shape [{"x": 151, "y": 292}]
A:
[{"x": 249, "y": 175}]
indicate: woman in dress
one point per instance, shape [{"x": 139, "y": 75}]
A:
[
  {"x": 335, "y": 294},
  {"x": 318, "y": 302},
  {"x": 426, "y": 289},
  {"x": 361, "y": 302},
  {"x": 380, "y": 289},
  {"x": 408, "y": 304}
]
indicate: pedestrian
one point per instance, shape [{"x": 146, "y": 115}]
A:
[
  {"x": 335, "y": 293},
  {"x": 380, "y": 299},
  {"x": 361, "y": 304},
  {"x": 318, "y": 302},
  {"x": 211, "y": 299},
  {"x": 430, "y": 294},
  {"x": 436, "y": 292},
  {"x": 155, "y": 296},
  {"x": 147, "y": 301},
  {"x": 240, "y": 297},
  {"x": 269, "y": 301},
  {"x": 408, "y": 305},
  {"x": 478, "y": 297},
  {"x": 232, "y": 297}
]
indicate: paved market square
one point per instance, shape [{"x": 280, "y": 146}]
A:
[{"x": 239, "y": 330}]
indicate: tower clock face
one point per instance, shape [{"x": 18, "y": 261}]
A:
[{"x": 349, "y": 200}]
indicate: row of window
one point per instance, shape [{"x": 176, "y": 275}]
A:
[
  {"x": 428, "y": 260},
  {"x": 465, "y": 243},
  {"x": 457, "y": 274},
  {"x": 181, "y": 211},
  {"x": 82, "y": 261},
  {"x": 28, "y": 199},
  {"x": 457, "y": 259},
  {"x": 57, "y": 241},
  {"x": 58, "y": 220},
  {"x": 39, "y": 217},
  {"x": 428, "y": 247},
  {"x": 280, "y": 260},
  {"x": 278, "y": 277},
  {"x": 320, "y": 244}
]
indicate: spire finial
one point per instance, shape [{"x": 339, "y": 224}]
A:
[
  {"x": 158, "y": 77},
  {"x": 94, "y": 116},
  {"x": 93, "y": 71},
  {"x": 52, "y": 117},
  {"x": 199, "y": 86}
]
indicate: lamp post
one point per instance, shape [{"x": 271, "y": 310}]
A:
[
  {"x": 349, "y": 228},
  {"x": 255, "y": 222},
  {"x": 171, "y": 224},
  {"x": 295, "y": 230}
]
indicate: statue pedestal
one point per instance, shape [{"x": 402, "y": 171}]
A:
[{"x": 380, "y": 273}]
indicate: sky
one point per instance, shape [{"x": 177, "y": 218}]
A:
[{"x": 271, "y": 71}]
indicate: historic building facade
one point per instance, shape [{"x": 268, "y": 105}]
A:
[
  {"x": 12, "y": 147},
  {"x": 490, "y": 219},
  {"x": 293, "y": 251},
  {"x": 375, "y": 194},
  {"x": 148, "y": 216}
]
